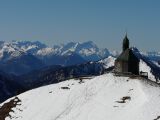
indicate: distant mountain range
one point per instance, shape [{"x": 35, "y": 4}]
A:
[{"x": 20, "y": 57}]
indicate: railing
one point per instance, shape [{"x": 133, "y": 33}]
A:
[
  {"x": 129, "y": 74},
  {"x": 143, "y": 74}
]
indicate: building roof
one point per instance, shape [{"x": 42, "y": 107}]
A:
[{"x": 127, "y": 55}]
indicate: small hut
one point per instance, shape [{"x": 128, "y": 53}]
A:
[{"x": 127, "y": 62}]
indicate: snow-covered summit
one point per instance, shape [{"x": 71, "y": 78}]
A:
[
  {"x": 29, "y": 46},
  {"x": 9, "y": 51},
  {"x": 108, "y": 62},
  {"x": 104, "y": 97},
  {"x": 88, "y": 50}
]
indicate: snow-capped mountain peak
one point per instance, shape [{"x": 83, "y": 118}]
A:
[
  {"x": 46, "y": 51},
  {"x": 108, "y": 62},
  {"x": 9, "y": 51},
  {"x": 29, "y": 46},
  {"x": 87, "y": 50}
]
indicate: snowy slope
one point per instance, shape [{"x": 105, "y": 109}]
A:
[
  {"x": 108, "y": 62},
  {"x": 147, "y": 65},
  {"x": 104, "y": 97},
  {"x": 145, "y": 68}
]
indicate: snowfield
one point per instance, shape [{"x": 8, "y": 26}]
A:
[
  {"x": 145, "y": 68},
  {"x": 105, "y": 97},
  {"x": 108, "y": 62}
]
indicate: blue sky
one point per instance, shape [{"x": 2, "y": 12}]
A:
[{"x": 102, "y": 21}]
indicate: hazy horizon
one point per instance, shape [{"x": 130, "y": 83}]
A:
[{"x": 104, "y": 22}]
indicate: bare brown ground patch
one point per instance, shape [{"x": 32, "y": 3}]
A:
[
  {"x": 7, "y": 108},
  {"x": 124, "y": 99}
]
